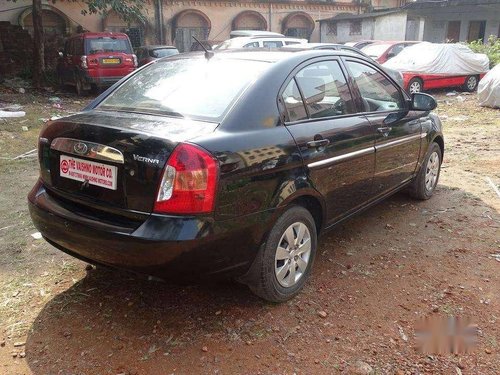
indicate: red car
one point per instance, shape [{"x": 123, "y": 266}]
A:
[
  {"x": 383, "y": 51},
  {"x": 416, "y": 82},
  {"x": 95, "y": 60},
  {"x": 439, "y": 65}
]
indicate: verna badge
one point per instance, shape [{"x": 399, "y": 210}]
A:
[{"x": 80, "y": 148}]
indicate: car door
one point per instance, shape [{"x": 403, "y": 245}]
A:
[
  {"x": 336, "y": 143},
  {"x": 397, "y": 145}
]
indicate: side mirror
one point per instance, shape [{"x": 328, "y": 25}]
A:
[
  {"x": 423, "y": 102},
  {"x": 60, "y": 54}
]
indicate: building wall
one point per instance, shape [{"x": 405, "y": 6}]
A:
[
  {"x": 390, "y": 27},
  {"x": 436, "y": 22}
]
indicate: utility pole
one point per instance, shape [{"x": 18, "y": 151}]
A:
[{"x": 270, "y": 15}]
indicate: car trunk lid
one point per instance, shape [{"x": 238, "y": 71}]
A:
[{"x": 112, "y": 159}]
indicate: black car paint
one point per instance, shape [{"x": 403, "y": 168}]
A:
[{"x": 118, "y": 228}]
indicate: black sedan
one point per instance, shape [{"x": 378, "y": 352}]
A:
[{"x": 230, "y": 164}]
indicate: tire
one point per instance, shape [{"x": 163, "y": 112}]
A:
[
  {"x": 79, "y": 86},
  {"x": 415, "y": 85},
  {"x": 471, "y": 83},
  {"x": 267, "y": 277},
  {"x": 424, "y": 184}
]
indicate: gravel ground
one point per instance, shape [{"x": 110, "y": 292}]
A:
[{"x": 374, "y": 277}]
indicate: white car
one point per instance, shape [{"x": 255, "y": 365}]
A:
[{"x": 259, "y": 42}]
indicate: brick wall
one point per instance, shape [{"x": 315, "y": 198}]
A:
[{"x": 16, "y": 48}]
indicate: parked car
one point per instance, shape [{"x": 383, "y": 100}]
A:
[
  {"x": 146, "y": 54},
  {"x": 190, "y": 169},
  {"x": 95, "y": 60},
  {"x": 360, "y": 44},
  {"x": 439, "y": 65},
  {"x": 394, "y": 74},
  {"x": 383, "y": 51},
  {"x": 208, "y": 44},
  {"x": 259, "y": 42},
  {"x": 257, "y": 33}
]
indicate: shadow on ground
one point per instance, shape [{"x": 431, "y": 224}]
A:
[{"x": 114, "y": 322}]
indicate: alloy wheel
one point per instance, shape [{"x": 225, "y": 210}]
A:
[
  {"x": 432, "y": 171},
  {"x": 292, "y": 254}
]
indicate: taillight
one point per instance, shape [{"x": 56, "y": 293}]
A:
[
  {"x": 189, "y": 182},
  {"x": 83, "y": 60},
  {"x": 135, "y": 61}
]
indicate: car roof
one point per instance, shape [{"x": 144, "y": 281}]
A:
[
  {"x": 266, "y": 55},
  {"x": 257, "y": 33}
]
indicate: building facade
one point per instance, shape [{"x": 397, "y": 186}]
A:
[{"x": 176, "y": 22}]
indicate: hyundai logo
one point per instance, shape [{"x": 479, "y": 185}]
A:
[{"x": 80, "y": 148}]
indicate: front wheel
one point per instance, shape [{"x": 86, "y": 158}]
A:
[
  {"x": 424, "y": 184},
  {"x": 284, "y": 261}
]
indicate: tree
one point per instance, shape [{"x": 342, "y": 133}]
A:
[{"x": 128, "y": 10}]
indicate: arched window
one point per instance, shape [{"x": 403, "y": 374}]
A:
[
  {"x": 189, "y": 23},
  {"x": 298, "y": 25},
  {"x": 54, "y": 21},
  {"x": 249, "y": 20},
  {"x": 134, "y": 29}
]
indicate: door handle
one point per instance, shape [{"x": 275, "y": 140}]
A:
[
  {"x": 318, "y": 143},
  {"x": 385, "y": 130}
]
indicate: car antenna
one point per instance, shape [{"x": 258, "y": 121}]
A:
[{"x": 208, "y": 54}]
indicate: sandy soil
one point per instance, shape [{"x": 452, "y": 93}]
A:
[{"x": 374, "y": 277}]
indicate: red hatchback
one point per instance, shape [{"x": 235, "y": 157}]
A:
[{"x": 95, "y": 60}]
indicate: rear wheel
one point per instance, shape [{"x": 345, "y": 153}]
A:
[
  {"x": 471, "y": 83},
  {"x": 424, "y": 184},
  {"x": 80, "y": 88},
  {"x": 284, "y": 261},
  {"x": 415, "y": 85}
]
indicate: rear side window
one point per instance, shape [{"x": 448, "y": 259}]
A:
[
  {"x": 293, "y": 102},
  {"x": 324, "y": 89},
  {"x": 107, "y": 45},
  {"x": 377, "y": 92},
  {"x": 252, "y": 45}
]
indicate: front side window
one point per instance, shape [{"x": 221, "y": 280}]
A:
[
  {"x": 325, "y": 90},
  {"x": 377, "y": 91},
  {"x": 163, "y": 52},
  {"x": 191, "y": 88},
  {"x": 251, "y": 45}
]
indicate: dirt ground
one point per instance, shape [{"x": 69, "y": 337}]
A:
[{"x": 374, "y": 277}]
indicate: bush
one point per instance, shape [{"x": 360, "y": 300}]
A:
[{"x": 491, "y": 48}]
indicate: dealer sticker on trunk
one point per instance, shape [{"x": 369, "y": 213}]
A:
[{"x": 97, "y": 174}]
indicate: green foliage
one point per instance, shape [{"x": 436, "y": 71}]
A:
[
  {"x": 128, "y": 10},
  {"x": 491, "y": 48}
]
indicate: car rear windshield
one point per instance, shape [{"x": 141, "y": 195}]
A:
[
  {"x": 192, "y": 88},
  {"x": 163, "y": 52},
  {"x": 107, "y": 44},
  {"x": 375, "y": 50}
]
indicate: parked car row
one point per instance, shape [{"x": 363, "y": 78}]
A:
[{"x": 97, "y": 60}]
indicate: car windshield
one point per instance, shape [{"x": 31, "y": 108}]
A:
[
  {"x": 107, "y": 44},
  {"x": 163, "y": 52},
  {"x": 375, "y": 50},
  {"x": 193, "y": 88}
]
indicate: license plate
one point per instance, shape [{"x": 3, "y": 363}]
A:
[
  {"x": 110, "y": 61},
  {"x": 97, "y": 174}
]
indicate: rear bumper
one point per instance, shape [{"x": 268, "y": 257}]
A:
[
  {"x": 102, "y": 81},
  {"x": 183, "y": 248}
]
